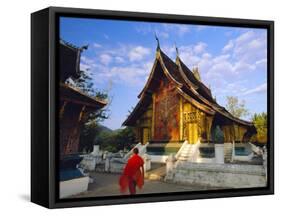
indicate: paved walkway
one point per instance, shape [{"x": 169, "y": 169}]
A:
[{"x": 106, "y": 184}]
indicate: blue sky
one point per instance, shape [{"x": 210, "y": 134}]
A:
[{"x": 232, "y": 61}]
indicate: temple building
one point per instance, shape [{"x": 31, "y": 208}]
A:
[
  {"x": 176, "y": 106},
  {"x": 74, "y": 104}
]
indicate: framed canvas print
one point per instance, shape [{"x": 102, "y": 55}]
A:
[{"x": 139, "y": 107}]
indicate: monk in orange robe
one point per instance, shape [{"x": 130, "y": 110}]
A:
[{"x": 133, "y": 174}]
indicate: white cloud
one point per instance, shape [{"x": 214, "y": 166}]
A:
[
  {"x": 182, "y": 29},
  {"x": 259, "y": 89},
  {"x": 250, "y": 46},
  {"x": 86, "y": 60},
  {"x": 119, "y": 59},
  {"x": 228, "y": 46},
  {"x": 105, "y": 58},
  {"x": 133, "y": 74},
  {"x": 164, "y": 30},
  {"x": 126, "y": 64},
  {"x": 84, "y": 67},
  {"x": 178, "y": 29},
  {"x": 261, "y": 62},
  {"x": 200, "y": 47},
  {"x": 138, "y": 53},
  {"x": 97, "y": 45},
  {"x": 201, "y": 27}
]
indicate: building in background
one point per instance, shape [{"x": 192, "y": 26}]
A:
[
  {"x": 175, "y": 106},
  {"x": 74, "y": 104}
]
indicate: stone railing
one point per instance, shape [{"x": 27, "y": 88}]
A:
[{"x": 110, "y": 162}]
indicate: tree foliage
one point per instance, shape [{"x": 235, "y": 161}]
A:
[
  {"x": 260, "y": 122},
  {"x": 107, "y": 139},
  {"x": 235, "y": 107},
  {"x": 86, "y": 85}
]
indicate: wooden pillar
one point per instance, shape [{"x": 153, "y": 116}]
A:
[
  {"x": 62, "y": 109},
  {"x": 153, "y": 117},
  {"x": 181, "y": 119},
  {"x": 81, "y": 114}
]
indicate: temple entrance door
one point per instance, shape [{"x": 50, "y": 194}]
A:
[
  {"x": 192, "y": 133},
  {"x": 145, "y": 135}
]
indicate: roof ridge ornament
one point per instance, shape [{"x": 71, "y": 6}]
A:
[
  {"x": 177, "y": 50},
  {"x": 158, "y": 43}
]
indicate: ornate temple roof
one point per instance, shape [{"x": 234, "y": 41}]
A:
[
  {"x": 69, "y": 60},
  {"x": 187, "y": 85},
  {"x": 70, "y": 67}
]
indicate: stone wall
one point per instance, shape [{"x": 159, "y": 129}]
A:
[{"x": 218, "y": 175}]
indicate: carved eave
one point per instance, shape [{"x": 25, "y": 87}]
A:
[
  {"x": 73, "y": 95},
  {"x": 159, "y": 59},
  {"x": 219, "y": 109},
  {"x": 193, "y": 79},
  {"x": 188, "y": 82},
  {"x": 138, "y": 110},
  {"x": 197, "y": 104}
]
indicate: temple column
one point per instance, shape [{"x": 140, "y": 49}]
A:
[
  {"x": 181, "y": 119},
  {"x": 62, "y": 109},
  {"x": 153, "y": 117}
]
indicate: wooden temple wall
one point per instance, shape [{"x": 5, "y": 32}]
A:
[
  {"x": 70, "y": 126},
  {"x": 239, "y": 132},
  {"x": 144, "y": 124},
  {"x": 228, "y": 132},
  {"x": 234, "y": 132},
  {"x": 209, "y": 121},
  {"x": 166, "y": 112}
]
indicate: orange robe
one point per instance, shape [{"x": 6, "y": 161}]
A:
[{"x": 132, "y": 171}]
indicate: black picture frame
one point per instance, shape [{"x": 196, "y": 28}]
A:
[{"x": 44, "y": 100}]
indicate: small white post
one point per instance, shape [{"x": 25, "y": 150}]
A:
[
  {"x": 107, "y": 164},
  {"x": 94, "y": 163},
  {"x": 96, "y": 150},
  {"x": 219, "y": 153},
  {"x": 147, "y": 162},
  {"x": 169, "y": 167}
]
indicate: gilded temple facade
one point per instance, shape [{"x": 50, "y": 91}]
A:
[{"x": 175, "y": 106}]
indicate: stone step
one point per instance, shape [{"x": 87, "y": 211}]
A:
[{"x": 156, "y": 174}]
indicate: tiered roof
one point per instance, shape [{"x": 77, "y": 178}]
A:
[
  {"x": 187, "y": 85},
  {"x": 70, "y": 67}
]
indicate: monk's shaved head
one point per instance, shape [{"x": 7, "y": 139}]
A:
[{"x": 136, "y": 150}]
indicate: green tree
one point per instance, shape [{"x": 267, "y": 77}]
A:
[
  {"x": 235, "y": 107},
  {"x": 107, "y": 139},
  {"x": 260, "y": 122},
  {"x": 86, "y": 85},
  {"x": 125, "y": 138}
]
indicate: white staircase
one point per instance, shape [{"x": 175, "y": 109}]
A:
[{"x": 188, "y": 152}]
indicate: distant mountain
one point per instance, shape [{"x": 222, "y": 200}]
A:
[{"x": 104, "y": 128}]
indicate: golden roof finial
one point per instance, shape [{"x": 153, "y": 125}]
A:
[{"x": 196, "y": 73}]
